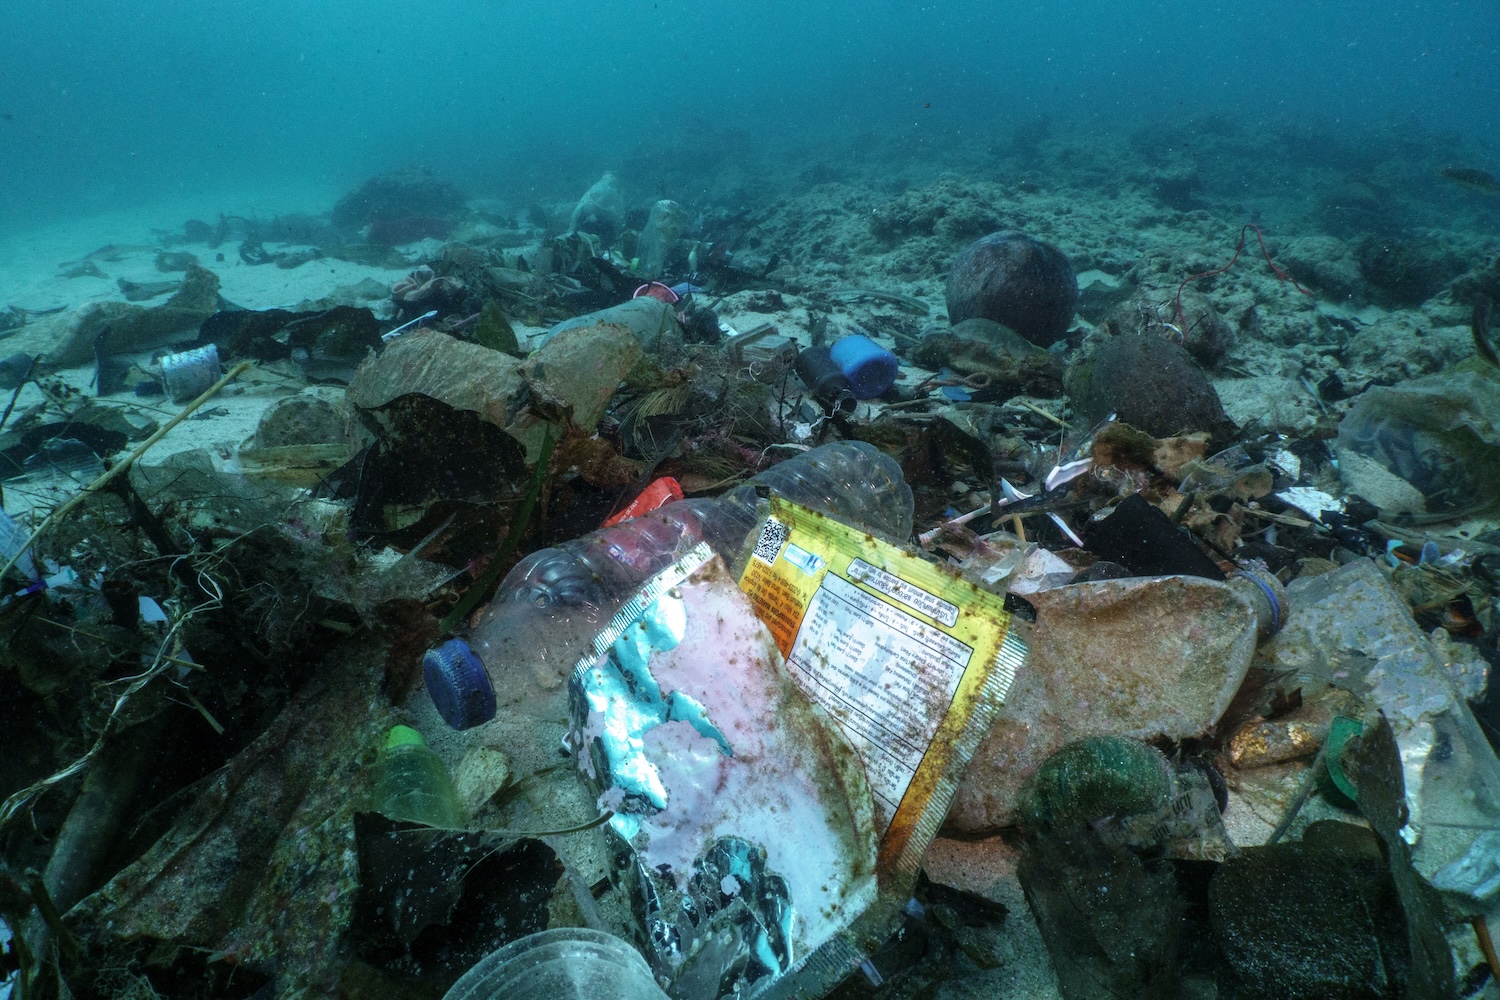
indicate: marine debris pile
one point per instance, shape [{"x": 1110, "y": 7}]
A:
[{"x": 860, "y": 594}]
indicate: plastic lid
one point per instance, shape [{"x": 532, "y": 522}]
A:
[
  {"x": 404, "y": 736},
  {"x": 458, "y": 685},
  {"x": 869, "y": 367},
  {"x": 564, "y": 963}
]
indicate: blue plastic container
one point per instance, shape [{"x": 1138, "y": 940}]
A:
[{"x": 870, "y": 368}]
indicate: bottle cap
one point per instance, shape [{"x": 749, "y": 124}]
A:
[
  {"x": 458, "y": 685},
  {"x": 869, "y": 367},
  {"x": 404, "y": 736}
]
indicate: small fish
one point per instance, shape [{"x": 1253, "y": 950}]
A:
[
  {"x": 1481, "y": 331},
  {"x": 1479, "y": 180}
]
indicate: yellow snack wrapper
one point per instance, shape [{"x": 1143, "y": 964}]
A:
[{"x": 911, "y": 660}]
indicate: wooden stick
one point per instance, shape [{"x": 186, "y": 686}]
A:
[
  {"x": 124, "y": 463},
  {"x": 1486, "y": 945},
  {"x": 1059, "y": 421}
]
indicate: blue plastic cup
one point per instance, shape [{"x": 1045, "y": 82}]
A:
[{"x": 870, "y": 368}]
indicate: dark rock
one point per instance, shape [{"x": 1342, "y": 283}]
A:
[
  {"x": 269, "y": 334},
  {"x": 168, "y": 261},
  {"x": 397, "y": 230},
  {"x": 1306, "y": 920},
  {"x": 1179, "y": 187},
  {"x": 1482, "y": 281},
  {"x": 1407, "y": 270},
  {"x": 1111, "y": 921},
  {"x": 1102, "y": 570},
  {"x": 1150, "y": 384},
  {"x": 15, "y": 369},
  {"x": 1327, "y": 264},
  {"x": 287, "y": 261},
  {"x": 1206, "y": 335},
  {"x": 400, "y": 194},
  {"x": 1144, "y": 540},
  {"x": 1354, "y": 206},
  {"x": 296, "y": 227},
  {"x": 1012, "y": 279},
  {"x": 197, "y": 231}
]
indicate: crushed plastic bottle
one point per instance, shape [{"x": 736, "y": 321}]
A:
[
  {"x": 412, "y": 785},
  {"x": 1143, "y": 657},
  {"x": 550, "y": 606}
]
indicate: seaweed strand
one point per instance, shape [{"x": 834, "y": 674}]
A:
[{"x": 1238, "y": 249}]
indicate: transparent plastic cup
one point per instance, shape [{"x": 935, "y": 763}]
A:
[{"x": 569, "y": 963}]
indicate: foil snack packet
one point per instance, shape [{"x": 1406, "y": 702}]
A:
[{"x": 778, "y": 751}]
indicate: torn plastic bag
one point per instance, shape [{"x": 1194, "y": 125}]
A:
[
  {"x": 749, "y": 816},
  {"x": 1440, "y": 433},
  {"x": 773, "y": 837},
  {"x": 1352, "y": 630}
]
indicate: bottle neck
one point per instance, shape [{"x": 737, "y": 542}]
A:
[{"x": 1265, "y": 596}]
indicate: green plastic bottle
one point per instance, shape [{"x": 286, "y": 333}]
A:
[{"x": 412, "y": 784}]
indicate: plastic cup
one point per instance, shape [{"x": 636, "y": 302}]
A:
[
  {"x": 569, "y": 963},
  {"x": 189, "y": 374}
]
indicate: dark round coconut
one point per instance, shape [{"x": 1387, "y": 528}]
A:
[{"x": 1013, "y": 279}]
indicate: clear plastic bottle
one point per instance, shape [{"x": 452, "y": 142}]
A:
[
  {"x": 412, "y": 784},
  {"x": 549, "y": 607}
]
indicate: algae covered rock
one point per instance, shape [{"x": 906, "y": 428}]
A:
[
  {"x": 412, "y": 193},
  {"x": 1407, "y": 270},
  {"x": 1150, "y": 383},
  {"x": 1206, "y": 335}
]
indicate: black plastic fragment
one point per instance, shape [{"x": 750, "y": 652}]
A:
[{"x": 1144, "y": 541}]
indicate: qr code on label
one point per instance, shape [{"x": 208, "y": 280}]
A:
[{"x": 772, "y": 537}]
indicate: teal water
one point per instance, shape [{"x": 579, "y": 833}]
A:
[{"x": 106, "y": 105}]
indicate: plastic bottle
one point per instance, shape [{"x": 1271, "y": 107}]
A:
[
  {"x": 412, "y": 784},
  {"x": 550, "y": 606}
]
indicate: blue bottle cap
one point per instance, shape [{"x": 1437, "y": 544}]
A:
[
  {"x": 869, "y": 367},
  {"x": 458, "y": 685}
]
